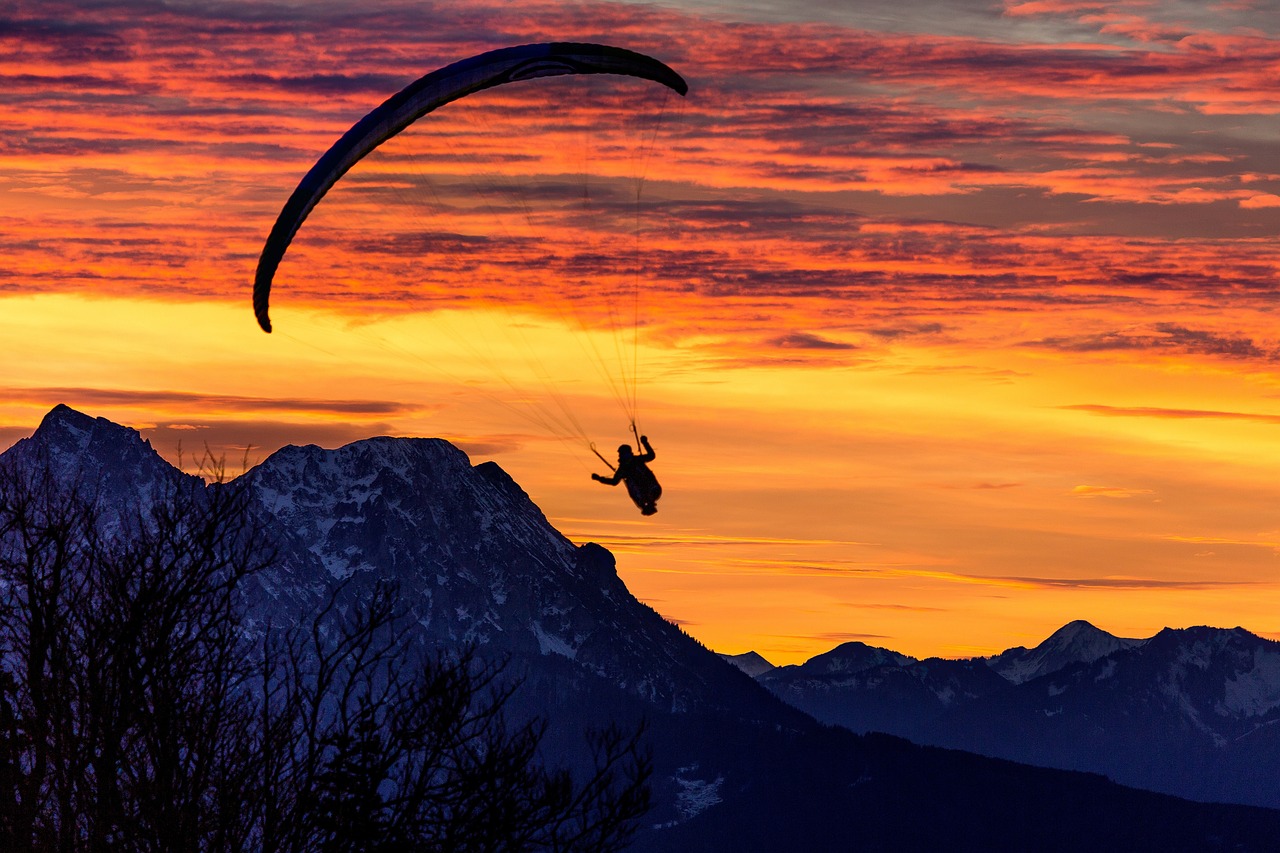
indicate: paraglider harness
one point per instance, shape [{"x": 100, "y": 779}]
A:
[{"x": 642, "y": 485}]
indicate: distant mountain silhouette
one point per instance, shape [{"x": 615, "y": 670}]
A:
[
  {"x": 736, "y": 768},
  {"x": 1191, "y": 712},
  {"x": 751, "y": 663}
]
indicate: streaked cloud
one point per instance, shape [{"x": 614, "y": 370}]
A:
[
  {"x": 805, "y": 340},
  {"x": 844, "y": 637},
  {"x": 1173, "y": 414},
  {"x": 893, "y": 607},
  {"x": 692, "y": 539},
  {"x": 90, "y": 398},
  {"x": 1124, "y": 583},
  {"x": 1266, "y": 541},
  {"x": 1086, "y": 491},
  {"x": 245, "y": 443},
  {"x": 907, "y": 331},
  {"x": 1158, "y": 337},
  {"x": 986, "y": 486},
  {"x": 674, "y": 620}
]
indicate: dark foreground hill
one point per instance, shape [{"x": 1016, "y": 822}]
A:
[{"x": 736, "y": 769}]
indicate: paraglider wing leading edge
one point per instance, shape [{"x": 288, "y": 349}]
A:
[{"x": 440, "y": 87}]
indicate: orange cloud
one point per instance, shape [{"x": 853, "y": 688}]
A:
[
  {"x": 1177, "y": 414},
  {"x": 1108, "y": 492}
]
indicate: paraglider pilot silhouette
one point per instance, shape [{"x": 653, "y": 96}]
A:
[
  {"x": 443, "y": 86},
  {"x": 634, "y": 471}
]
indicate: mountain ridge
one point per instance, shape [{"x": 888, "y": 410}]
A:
[
  {"x": 1186, "y": 711},
  {"x": 1076, "y": 642},
  {"x": 735, "y": 768}
]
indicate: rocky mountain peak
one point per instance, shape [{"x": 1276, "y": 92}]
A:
[
  {"x": 65, "y": 431},
  {"x": 1076, "y": 642},
  {"x": 852, "y": 657},
  {"x": 1076, "y": 629},
  {"x": 476, "y": 561},
  {"x": 104, "y": 459},
  {"x": 753, "y": 664}
]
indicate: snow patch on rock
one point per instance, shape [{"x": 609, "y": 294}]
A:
[{"x": 1257, "y": 691}]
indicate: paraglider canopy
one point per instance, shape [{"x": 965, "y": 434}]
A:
[{"x": 440, "y": 87}]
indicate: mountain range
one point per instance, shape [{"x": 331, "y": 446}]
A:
[
  {"x": 736, "y": 768},
  {"x": 1191, "y": 712}
]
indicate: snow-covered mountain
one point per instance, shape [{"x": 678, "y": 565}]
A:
[
  {"x": 1188, "y": 712},
  {"x": 476, "y": 561},
  {"x": 109, "y": 462},
  {"x": 1075, "y": 642},
  {"x": 735, "y": 768},
  {"x": 848, "y": 659},
  {"x": 752, "y": 663},
  {"x": 868, "y": 689}
]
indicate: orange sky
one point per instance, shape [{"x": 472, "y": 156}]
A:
[{"x": 955, "y": 321}]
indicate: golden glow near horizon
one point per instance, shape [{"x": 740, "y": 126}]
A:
[{"x": 947, "y": 332}]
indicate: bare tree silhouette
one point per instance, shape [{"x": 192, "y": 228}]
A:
[{"x": 139, "y": 712}]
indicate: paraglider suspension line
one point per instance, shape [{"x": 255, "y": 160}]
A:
[{"x": 602, "y": 459}]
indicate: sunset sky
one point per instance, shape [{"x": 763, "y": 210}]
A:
[{"x": 950, "y": 322}]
